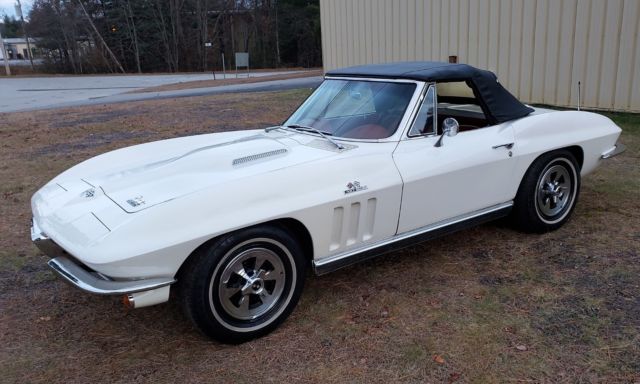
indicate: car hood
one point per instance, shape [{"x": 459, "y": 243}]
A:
[{"x": 142, "y": 176}]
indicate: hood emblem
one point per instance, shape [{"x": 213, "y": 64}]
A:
[
  {"x": 89, "y": 193},
  {"x": 354, "y": 186},
  {"x": 136, "y": 201}
]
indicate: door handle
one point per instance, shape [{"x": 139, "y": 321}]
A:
[{"x": 506, "y": 145}]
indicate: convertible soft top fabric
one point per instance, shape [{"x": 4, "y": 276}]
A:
[{"x": 500, "y": 105}]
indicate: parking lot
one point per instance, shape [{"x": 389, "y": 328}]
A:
[{"x": 40, "y": 92}]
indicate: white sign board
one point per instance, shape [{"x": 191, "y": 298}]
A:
[{"x": 242, "y": 59}]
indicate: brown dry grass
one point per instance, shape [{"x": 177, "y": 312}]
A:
[
  {"x": 571, "y": 298},
  {"x": 217, "y": 83}
]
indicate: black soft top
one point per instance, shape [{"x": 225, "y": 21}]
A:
[{"x": 498, "y": 103}]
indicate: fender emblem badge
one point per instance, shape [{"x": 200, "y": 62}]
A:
[
  {"x": 354, "y": 186},
  {"x": 136, "y": 201}
]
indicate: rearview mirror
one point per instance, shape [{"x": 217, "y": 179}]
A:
[{"x": 450, "y": 127}]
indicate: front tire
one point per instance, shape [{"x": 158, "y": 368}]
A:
[
  {"x": 548, "y": 193},
  {"x": 244, "y": 284}
]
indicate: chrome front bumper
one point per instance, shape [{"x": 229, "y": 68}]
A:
[
  {"x": 615, "y": 151},
  {"x": 87, "y": 281},
  {"x": 44, "y": 243},
  {"x": 84, "y": 279}
]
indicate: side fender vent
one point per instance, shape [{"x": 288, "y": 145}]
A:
[{"x": 258, "y": 156}]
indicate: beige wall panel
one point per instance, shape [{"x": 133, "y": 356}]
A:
[
  {"x": 494, "y": 30},
  {"x": 504, "y": 36},
  {"x": 388, "y": 32},
  {"x": 552, "y": 45},
  {"x": 628, "y": 35},
  {"x": 634, "y": 93},
  {"x": 591, "y": 84},
  {"x": 463, "y": 34},
  {"x": 428, "y": 42},
  {"x": 411, "y": 30},
  {"x": 474, "y": 41},
  {"x": 435, "y": 31},
  {"x": 378, "y": 31},
  {"x": 565, "y": 53},
  {"x": 610, "y": 52},
  {"x": 514, "y": 48},
  {"x": 527, "y": 53},
  {"x": 444, "y": 31},
  {"x": 453, "y": 24},
  {"x": 539, "y": 49},
  {"x": 578, "y": 71},
  {"x": 483, "y": 34},
  {"x": 420, "y": 30}
]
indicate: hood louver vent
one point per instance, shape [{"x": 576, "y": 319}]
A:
[{"x": 258, "y": 156}]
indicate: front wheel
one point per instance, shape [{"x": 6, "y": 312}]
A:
[
  {"x": 244, "y": 284},
  {"x": 548, "y": 192}
]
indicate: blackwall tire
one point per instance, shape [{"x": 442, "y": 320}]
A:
[
  {"x": 548, "y": 193},
  {"x": 243, "y": 285}
]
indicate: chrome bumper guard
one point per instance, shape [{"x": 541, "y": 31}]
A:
[
  {"x": 44, "y": 243},
  {"x": 85, "y": 280},
  {"x": 78, "y": 276},
  {"x": 615, "y": 151}
]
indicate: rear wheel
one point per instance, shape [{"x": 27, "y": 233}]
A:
[
  {"x": 243, "y": 285},
  {"x": 548, "y": 192}
]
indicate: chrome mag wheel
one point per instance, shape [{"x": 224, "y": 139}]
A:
[
  {"x": 242, "y": 285},
  {"x": 555, "y": 190},
  {"x": 251, "y": 283}
]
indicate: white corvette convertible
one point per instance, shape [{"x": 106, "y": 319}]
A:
[{"x": 377, "y": 158}]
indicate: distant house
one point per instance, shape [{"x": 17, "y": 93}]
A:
[{"x": 16, "y": 48}]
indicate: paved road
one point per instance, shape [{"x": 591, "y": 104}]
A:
[{"x": 31, "y": 93}]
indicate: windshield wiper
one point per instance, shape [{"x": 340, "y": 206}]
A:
[{"x": 306, "y": 128}]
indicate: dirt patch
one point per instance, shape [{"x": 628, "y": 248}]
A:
[
  {"x": 90, "y": 141},
  {"x": 484, "y": 305}
]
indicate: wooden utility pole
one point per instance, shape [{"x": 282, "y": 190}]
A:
[
  {"x": 24, "y": 30},
  {"x": 93, "y": 26},
  {"x": 4, "y": 56}
]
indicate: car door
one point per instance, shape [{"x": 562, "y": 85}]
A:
[{"x": 469, "y": 172}]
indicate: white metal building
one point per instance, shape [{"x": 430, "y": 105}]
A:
[{"x": 539, "y": 49}]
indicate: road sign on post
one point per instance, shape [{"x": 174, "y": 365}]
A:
[{"x": 242, "y": 61}]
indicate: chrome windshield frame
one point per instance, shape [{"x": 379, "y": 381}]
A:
[{"x": 407, "y": 118}]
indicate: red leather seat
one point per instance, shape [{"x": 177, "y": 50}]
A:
[{"x": 368, "y": 131}]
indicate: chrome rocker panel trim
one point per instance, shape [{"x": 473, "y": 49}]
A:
[
  {"x": 615, "y": 151},
  {"x": 86, "y": 281},
  {"x": 430, "y": 232}
]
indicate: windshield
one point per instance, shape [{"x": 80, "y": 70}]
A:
[{"x": 355, "y": 109}]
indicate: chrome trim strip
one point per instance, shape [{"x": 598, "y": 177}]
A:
[
  {"x": 443, "y": 227},
  {"x": 615, "y": 151},
  {"x": 406, "y": 118},
  {"x": 427, "y": 87},
  {"x": 86, "y": 281},
  {"x": 258, "y": 156},
  {"x": 375, "y": 79}
]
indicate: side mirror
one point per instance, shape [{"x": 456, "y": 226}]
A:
[{"x": 450, "y": 127}]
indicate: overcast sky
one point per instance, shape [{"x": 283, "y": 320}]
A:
[{"x": 6, "y": 7}]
